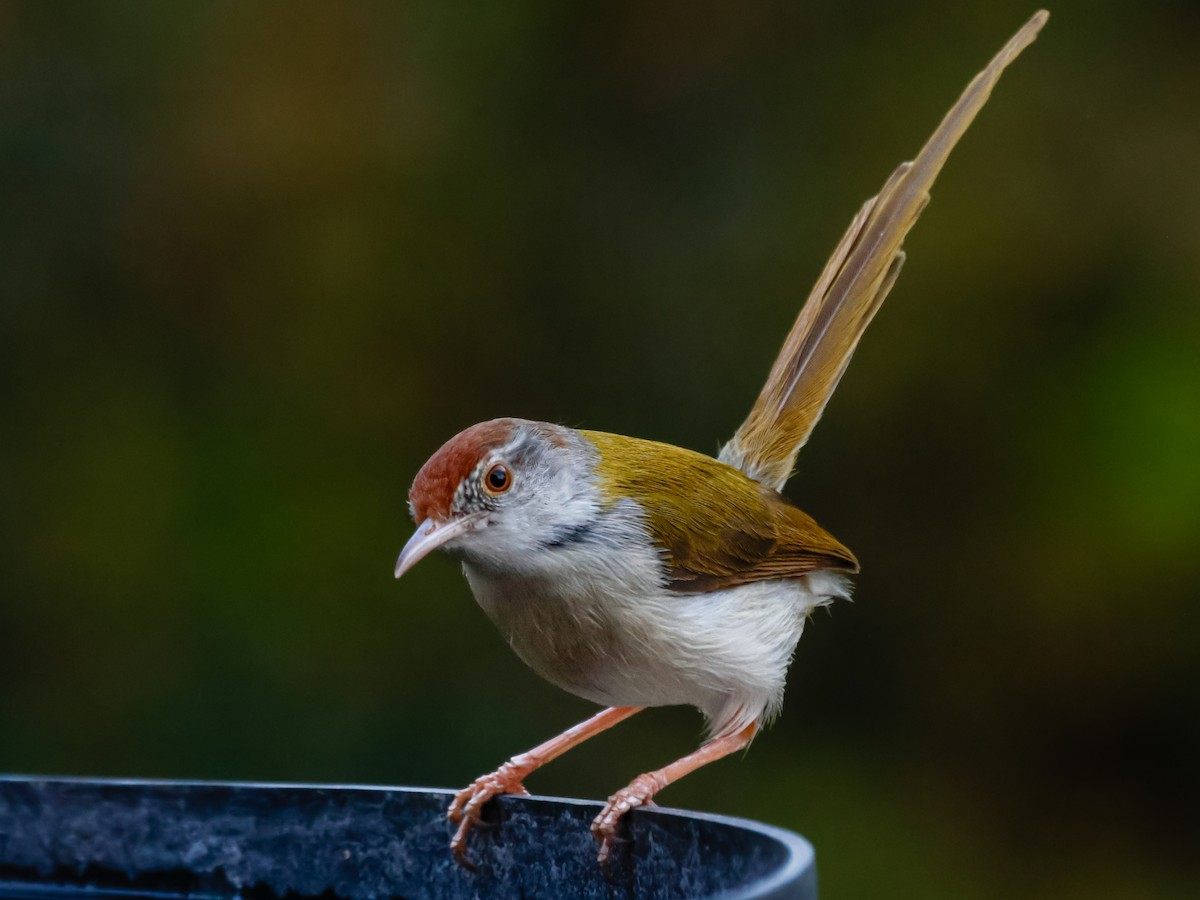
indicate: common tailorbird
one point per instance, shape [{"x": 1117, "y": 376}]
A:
[{"x": 635, "y": 573}]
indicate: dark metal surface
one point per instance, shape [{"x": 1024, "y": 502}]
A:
[{"x": 68, "y": 838}]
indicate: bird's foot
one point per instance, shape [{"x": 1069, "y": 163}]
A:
[
  {"x": 466, "y": 808},
  {"x": 639, "y": 793}
]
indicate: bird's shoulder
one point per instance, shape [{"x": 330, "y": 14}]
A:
[{"x": 714, "y": 526}]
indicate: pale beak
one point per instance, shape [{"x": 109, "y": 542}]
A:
[{"x": 429, "y": 536}]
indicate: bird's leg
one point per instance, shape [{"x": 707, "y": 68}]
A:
[
  {"x": 465, "y": 808},
  {"x": 644, "y": 787}
]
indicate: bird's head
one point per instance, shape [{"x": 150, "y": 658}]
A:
[{"x": 499, "y": 492}]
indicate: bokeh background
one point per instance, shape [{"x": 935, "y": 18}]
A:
[{"x": 260, "y": 259}]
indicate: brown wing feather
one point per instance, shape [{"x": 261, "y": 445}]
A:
[
  {"x": 715, "y": 527},
  {"x": 791, "y": 545}
]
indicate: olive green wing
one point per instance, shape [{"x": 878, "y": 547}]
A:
[{"x": 716, "y": 527}]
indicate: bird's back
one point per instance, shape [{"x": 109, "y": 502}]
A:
[{"x": 714, "y": 526}]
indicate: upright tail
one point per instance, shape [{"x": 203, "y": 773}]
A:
[{"x": 850, "y": 291}]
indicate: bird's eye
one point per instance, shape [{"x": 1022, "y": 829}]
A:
[{"x": 497, "y": 480}]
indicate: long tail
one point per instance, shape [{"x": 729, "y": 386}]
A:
[{"x": 850, "y": 291}]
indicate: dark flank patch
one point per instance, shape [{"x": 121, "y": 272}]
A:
[{"x": 569, "y": 534}]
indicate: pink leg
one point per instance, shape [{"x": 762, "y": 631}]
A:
[
  {"x": 644, "y": 787},
  {"x": 467, "y": 804}
]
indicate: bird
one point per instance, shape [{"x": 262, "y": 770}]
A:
[{"x": 638, "y": 574}]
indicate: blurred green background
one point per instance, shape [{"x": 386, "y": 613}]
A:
[{"x": 260, "y": 259}]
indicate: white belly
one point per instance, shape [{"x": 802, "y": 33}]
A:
[{"x": 726, "y": 652}]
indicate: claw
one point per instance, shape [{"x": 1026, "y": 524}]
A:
[
  {"x": 605, "y": 855},
  {"x": 608, "y": 845},
  {"x": 638, "y": 793},
  {"x": 466, "y": 809},
  {"x": 458, "y": 845}
]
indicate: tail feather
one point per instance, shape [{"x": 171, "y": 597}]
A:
[{"x": 852, "y": 287}]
